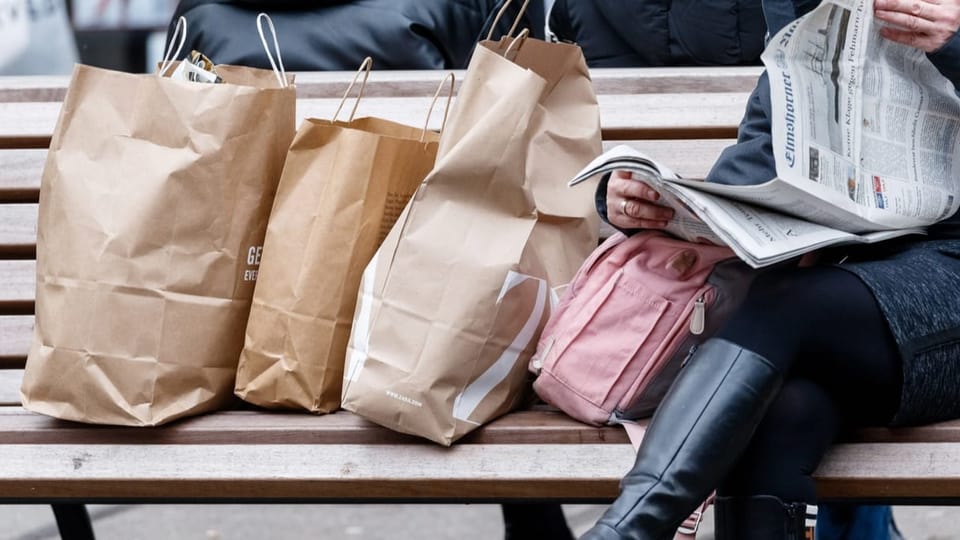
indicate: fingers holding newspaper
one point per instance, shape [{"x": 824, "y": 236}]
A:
[
  {"x": 633, "y": 205},
  {"x": 925, "y": 24}
]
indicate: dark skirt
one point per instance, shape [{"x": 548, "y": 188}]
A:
[{"x": 917, "y": 286}]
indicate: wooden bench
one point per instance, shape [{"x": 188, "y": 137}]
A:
[{"x": 684, "y": 116}]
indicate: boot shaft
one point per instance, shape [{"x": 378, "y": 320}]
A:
[
  {"x": 763, "y": 517},
  {"x": 699, "y": 431}
]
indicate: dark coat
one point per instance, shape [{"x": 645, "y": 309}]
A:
[
  {"x": 322, "y": 35},
  {"x": 924, "y": 313},
  {"x": 623, "y": 33}
]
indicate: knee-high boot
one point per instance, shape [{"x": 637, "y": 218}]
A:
[
  {"x": 703, "y": 424},
  {"x": 761, "y": 517}
]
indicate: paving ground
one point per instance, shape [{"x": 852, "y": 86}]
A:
[{"x": 352, "y": 522}]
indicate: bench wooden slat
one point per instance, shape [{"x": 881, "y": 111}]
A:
[
  {"x": 416, "y": 471},
  {"x": 19, "y": 426},
  {"x": 20, "y": 172},
  {"x": 18, "y": 230},
  {"x": 623, "y": 116},
  {"x": 21, "y": 169},
  {"x": 401, "y": 83},
  {"x": 16, "y": 331},
  {"x": 10, "y": 380},
  {"x": 312, "y": 472},
  {"x": 18, "y": 285},
  {"x": 902, "y": 471}
]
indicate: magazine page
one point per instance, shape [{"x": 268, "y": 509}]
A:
[{"x": 865, "y": 124}]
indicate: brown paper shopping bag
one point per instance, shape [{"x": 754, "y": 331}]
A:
[
  {"x": 343, "y": 186},
  {"x": 153, "y": 204},
  {"x": 451, "y": 305}
]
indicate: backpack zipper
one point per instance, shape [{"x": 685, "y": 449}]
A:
[{"x": 699, "y": 316}]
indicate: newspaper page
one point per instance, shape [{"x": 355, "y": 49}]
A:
[
  {"x": 758, "y": 236},
  {"x": 865, "y": 124}
]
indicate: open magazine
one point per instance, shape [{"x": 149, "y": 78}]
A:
[{"x": 864, "y": 135}]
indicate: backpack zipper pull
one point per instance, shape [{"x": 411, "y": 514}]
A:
[
  {"x": 698, "y": 318},
  {"x": 538, "y": 359}
]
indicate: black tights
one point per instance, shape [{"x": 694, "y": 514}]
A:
[{"x": 822, "y": 327}]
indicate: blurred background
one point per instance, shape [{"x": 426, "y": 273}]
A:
[{"x": 126, "y": 35}]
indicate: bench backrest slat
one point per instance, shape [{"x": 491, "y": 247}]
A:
[
  {"x": 20, "y": 170},
  {"x": 16, "y": 333},
  {"x": 18, "y": 230},
  {"x": 401, "y": 83},
  {"x": 623, "y": 117},
  {"x": 18, "y": 285}
]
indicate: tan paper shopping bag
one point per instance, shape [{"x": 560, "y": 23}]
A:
[
  {"x": 451, "y": 305},
  {"x": 343, "y": 186},
  {"x": 153, "y": 204}
]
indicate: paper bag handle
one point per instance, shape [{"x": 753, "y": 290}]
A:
[
  {"x": 280, "y": 73},
  {"x": 517, "y": 43},
  {"x": 365, "y": 68},
  {"x": 178, "y": 31},
  {"x": 503, "y": 9},
  {"x": 446, "y": 110}
]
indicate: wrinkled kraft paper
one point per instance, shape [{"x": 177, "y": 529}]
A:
[
  {"x": 343, "y": 187},
  {"x": 153, "y": 207},
  {"x": 452, "y": 304}
]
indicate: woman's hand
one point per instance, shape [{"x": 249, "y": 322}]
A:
[
  {"x": 632, "y": 204},
  {"x": 924, "y": 24}
]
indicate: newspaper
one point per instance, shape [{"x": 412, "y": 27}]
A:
[{"x": 864, "y": 135}]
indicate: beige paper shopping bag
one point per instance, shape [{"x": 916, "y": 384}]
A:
[
  {"x": 153, "y": 204},
  {"x": 343, "y": 186},
  {"x": 451, "y": 306}
]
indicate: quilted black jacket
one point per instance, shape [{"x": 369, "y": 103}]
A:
[
  {"x": 337, "y": 34},
  {"x": 623, "y": 33}
]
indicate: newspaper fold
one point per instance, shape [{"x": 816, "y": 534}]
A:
[
  {"x": 864, "y": 134},
  {"x": 712, "y": 213}
]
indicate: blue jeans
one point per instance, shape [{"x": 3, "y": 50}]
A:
[{"x": 856, "y": 522}]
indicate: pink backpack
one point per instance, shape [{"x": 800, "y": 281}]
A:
[
  {"x": 628, "y": 320},
  {"x": 627, "y": 323}
]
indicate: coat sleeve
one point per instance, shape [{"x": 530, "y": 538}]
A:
[
  {"x": 947, "y": 60},
  {"x": 750, "y": 160}
]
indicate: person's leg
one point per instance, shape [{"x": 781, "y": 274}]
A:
[
  {"x": 535, "y": 521},
  {"x": 847, "y": 521},
  {"x": 787, "y": 446},
  {"x": 770, "y": 493},
  {"x": 709, "y": 416},
  {"x": 834, "y": 384}
]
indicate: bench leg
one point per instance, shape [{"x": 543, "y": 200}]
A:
[
  {"x": 73, "y": 521},
  {"x": 522, "y": 521}
]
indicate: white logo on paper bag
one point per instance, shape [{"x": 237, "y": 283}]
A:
[
  {"x": 253, "y": 259},
  {"x": 468, "y": 400},
  {"x": 360, "y": 337},
  {"x": 406, "y": 399}
]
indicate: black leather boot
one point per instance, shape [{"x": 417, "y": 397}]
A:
[
  {"x": 761, "y": 517},
  {"x": 699, "y": 430}
]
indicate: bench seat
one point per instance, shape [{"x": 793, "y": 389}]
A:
[{"x": 684, "y": 116}]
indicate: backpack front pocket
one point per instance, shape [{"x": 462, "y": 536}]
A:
[{"x": 603, "y": 337}]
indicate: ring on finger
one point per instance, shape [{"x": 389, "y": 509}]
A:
[{"x": 623, "y": 206}]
